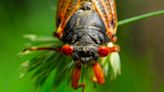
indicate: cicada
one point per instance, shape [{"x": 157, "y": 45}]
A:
[{"x": 88, "y": 30}]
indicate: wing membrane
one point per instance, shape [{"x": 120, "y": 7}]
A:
[
  {"x": 107, "y": 11},
  {"x": 66, "y": 8}
]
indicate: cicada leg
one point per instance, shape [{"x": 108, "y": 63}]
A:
[
  {"x": 75, "y": 78},
  {"x": 98, "y": 72}
]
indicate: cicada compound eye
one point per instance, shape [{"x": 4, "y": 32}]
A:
[
  {"x": 67, "y": 49},
  {"x": 103, "y": 51}
]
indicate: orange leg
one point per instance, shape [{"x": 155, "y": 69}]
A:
[
  {"x": 98, "y": 73},
  {"x": 75, "y": 78}
]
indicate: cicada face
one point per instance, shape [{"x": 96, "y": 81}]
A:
[{"x": 86, "y": 25}]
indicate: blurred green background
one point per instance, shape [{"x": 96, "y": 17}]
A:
[{"x": 141, "y": 45}]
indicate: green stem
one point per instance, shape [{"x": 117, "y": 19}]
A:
[{"x": 136, "y": 18}]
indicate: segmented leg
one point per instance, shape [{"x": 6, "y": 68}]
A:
[
  {"x": 75, "y": 78},
  {"x": 98, "y": 72}
]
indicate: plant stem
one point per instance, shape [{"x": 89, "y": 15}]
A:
[{"x": 139, "y": 17}]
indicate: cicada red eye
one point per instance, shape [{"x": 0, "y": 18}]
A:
[
  {"x": 67, "y": 49},
  {"x": 103, "y": 51}
]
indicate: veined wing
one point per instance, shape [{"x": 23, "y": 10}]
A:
[
  {"x": 107, "y": 11},
  {"x": 66, "y": 9}
]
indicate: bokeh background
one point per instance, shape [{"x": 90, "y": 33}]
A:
[{"x": 142, "y": 42}]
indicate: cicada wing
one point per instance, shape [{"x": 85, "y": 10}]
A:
[
  {"x": 107, "y": 11},
  {"x": 114, "y": 14},
  {"x": 65, "y": 10}
]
